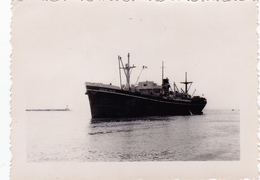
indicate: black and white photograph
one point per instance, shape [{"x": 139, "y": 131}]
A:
[{"x": 134, "y": 89}]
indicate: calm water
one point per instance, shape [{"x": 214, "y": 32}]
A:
[{"x": 67, "y": 136}]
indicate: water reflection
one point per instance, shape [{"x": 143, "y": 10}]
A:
[
  {"x": 148, "y": 118},
  {"x": 209, "y": 137}
]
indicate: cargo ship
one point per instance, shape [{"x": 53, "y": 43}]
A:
[{"x": 142, "y": 99}]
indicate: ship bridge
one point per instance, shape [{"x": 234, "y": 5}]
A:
[{"x": 148, "y": 85}]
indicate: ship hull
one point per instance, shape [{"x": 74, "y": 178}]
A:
[{"x": 116, "y": 103}]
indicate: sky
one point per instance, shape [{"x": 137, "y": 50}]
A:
[{"x": 57, "y": 47}]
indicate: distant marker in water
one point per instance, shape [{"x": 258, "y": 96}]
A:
[{"x": 66, "y": 109}]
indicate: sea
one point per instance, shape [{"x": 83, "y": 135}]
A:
[{"x": 54, "y": 136}]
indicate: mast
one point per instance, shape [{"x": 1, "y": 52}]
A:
[
  {"x": 128, "y": 72},
  {"x": 126, "y": 69},
  {"x": 186, "y": 83},
  {"x": 162, "y": 71},
  {"x": 119, "y": 58}
]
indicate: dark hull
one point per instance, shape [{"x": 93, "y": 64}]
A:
[{"x": 115, "y": 103}]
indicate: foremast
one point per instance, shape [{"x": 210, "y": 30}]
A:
[
  {"x": 186, "y": 83},
  {"x": 127, "y": 70}
]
